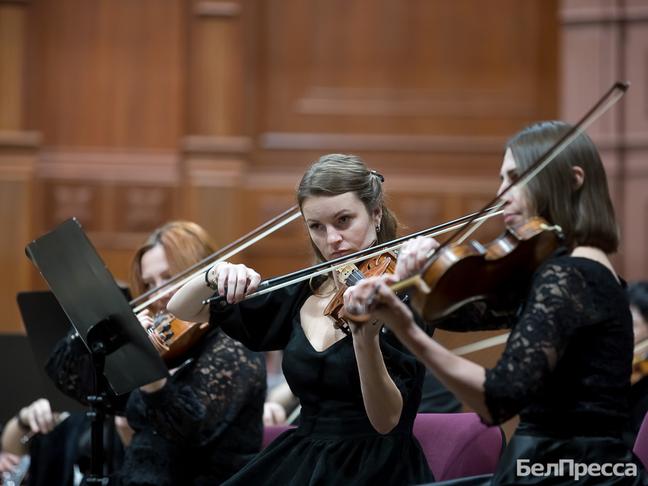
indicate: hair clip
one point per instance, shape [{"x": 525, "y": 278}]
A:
[{"x": 378, "y": 175}]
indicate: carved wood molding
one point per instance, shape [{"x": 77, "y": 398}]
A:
[
  {"x": 419, "y": 183},
  {"x": 602, "y": 14},
  {"x": 110, "y": 166},
  {"x": 208, "y": 8},
  {"x": 19, "y": 139},
  {"x": 213, "y": 144},
  {"x": 375, "y": 142},
  {"x": 16, "y": 168},
  {"x": 410, "y": 102},
  {"x": 207, "y": 172}
]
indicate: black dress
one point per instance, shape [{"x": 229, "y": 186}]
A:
[
  {"x": 566, "y": 371},
  {"x": 201, "y": 427},
  {"x": 335, "y": 442}
]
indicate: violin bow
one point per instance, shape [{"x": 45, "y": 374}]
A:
[
  {"x": 250, "y": 238},
  {"x": 277, "y": 283},
  {"x": 609, "y": 99}
]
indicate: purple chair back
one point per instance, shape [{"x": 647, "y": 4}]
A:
[
  {"x": 455, "y": 444},
  {"x": 641, "y": 442},
  {"x": 271, "y": 432},
  {"x": 458, "y": 444}
]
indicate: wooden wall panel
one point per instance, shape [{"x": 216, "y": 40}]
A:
[
  {"x": 119, "y": 197},
  {"x": 212, "y": 110},
  {"x": 216, "y": 77},
  {"x": 18, "y": 150},
  {"x": 12, "y": 63},
  {"x": 405, "y": 67},
  {"x": 107, "y": 73},
  {"x": 17, "y": 155},
  {"x": 603, "y": 41}
]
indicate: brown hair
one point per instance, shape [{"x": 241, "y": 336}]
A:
[
  {"x": 336, "y": 174},
  {"x": 184, "y": 243},
  {"x": 585, "y": 213}
]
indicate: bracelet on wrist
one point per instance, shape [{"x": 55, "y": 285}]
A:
[{"x": 208, "y": 282}]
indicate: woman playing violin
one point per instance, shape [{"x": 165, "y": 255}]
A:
[
  {"x": 359, "y": 391},
  {"x": 204, "y": 422},
  {"x": 566, "y": 366}
]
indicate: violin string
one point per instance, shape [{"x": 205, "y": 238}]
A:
[
  {"x": 492, "y": 211},
  {"x": 613, "y": 95},
  {"x": 337, "y": 263},
  {"x": 291, "y": 213},
  {"x": 476, "y": 225},
  {"x": 355, "y": 277},
  {"x": 202, "y": 271},
  {"x": 299, "y": 276}
]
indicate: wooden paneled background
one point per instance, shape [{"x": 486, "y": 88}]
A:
[{"x": 129, "y": 114}]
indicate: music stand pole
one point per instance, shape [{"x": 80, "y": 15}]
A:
[{"x": 121, "y": 350}]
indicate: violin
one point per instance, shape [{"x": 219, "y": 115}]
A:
[
  {"x": 358, "y": 257},
  {"x": 457, "y": 273},
  {"x": 639, "y": 362},
  {"x": 462, "y": 273},
  {"x": 438, "y": 291},
  {"x": 349, "y": 275},
  {"x": 639, "y": 369},
  {"x": 173, "y": 338}
]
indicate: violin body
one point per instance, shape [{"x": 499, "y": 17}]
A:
[
  {"x": 174, "y": 338},
  {"x": 468, "y": 272},
  {"x": 349, "y": 275}
]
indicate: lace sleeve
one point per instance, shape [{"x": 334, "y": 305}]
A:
[
  {"x": 70, "y": 368},
  {"x": 196, "y": 406},
  {"x": 552, "y": 312}
]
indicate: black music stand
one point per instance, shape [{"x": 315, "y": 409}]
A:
[
  {"x": 94, "y": 304},
  {"x": 23, "y": 375}
]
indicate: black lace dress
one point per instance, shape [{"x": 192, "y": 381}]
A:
[
  {"x": 334, "y": 443},
  {"x": 201, "y": 427},
  {"x": 566, "y": 371}
]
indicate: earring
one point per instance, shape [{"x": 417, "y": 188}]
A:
[{"x": 377, "y": 228}]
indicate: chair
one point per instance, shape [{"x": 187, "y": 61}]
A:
[
  {"x": 641, "y": 442},
  {"x": 271, "y": 432},
  {"x": 458, "y": 444}
]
